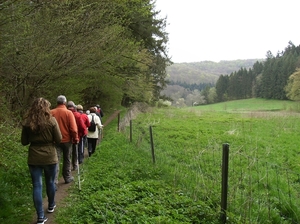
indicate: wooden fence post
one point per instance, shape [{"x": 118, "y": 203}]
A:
[
  {"x": 130, "y": 131},
  {"x": 224, "y": 182},
  {"x": 118, "y": 122},
  {"x": 152, "y": 145}
]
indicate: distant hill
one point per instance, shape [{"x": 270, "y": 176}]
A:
[{"x": 206, "y": 71}]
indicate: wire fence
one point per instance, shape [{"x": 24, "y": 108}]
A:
[
  {"x": 257, "y": 191},
  {"x": 261, "y": 191}
]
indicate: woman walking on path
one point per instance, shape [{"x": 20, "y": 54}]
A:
[{"x": 41, "y": 131}]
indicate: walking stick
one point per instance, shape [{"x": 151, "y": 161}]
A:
[{"x": 78, "y": 170}]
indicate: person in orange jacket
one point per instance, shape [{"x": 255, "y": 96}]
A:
[{"x": 68, "y": 128}]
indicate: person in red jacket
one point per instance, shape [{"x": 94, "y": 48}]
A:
[
  {"x": 99, "y": 111},
  {"x": 83, "y": 139},
  {"x": 68, "y": 128},
  {"x": 81, "y": 131}
]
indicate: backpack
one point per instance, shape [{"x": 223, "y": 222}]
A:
[{"x": 92, "y": 127}]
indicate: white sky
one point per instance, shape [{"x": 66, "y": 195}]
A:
[{"x": 215, "y": 30}]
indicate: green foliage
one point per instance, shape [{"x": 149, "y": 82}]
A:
[
  {"x": 267, "y": 79},
  {"x": 206, "y": 71},
  {"x": 293, "y": 86},
  {"x": 184, "y": 78},
  {"x": 122, "y": 185},
  {"x": 16, "y": 194},
  {"x": 90, "y": 51},
  {"x": 127, "y": 188}
]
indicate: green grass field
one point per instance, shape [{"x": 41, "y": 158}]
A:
[
  {"x": 121, "y": 184},
  {"x": 253, "y": 105},
  {"x": 184, "y": 184}
]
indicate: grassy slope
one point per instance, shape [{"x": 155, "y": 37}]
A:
[{"x": 254, "y": 104}]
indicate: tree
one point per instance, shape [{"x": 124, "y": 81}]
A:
[
  {"x": 91, "y": 51},
  {"x": 212, "y": 95},
  {"x": 222, "y": 88},
  {"x": 292, "y": 88},
  {"x": 51, "y": 46},
  {"x": 205, "y": 92}
]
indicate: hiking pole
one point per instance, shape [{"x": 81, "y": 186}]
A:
[{"x": 78, "y": 170}]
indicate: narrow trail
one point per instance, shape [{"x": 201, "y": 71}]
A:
[
  {"x": 62, "y": 191},
  {"x": 111, "y": 117}
]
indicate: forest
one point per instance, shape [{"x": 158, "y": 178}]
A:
[
  {"x": 190, "y": 82},
  {"x": 275, "y": 77},
  {"x": 108, "y": 52},
  {"x": 205, "y": 71},
  {"x": 114, "y": 53}
]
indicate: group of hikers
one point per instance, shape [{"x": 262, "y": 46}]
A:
[{"x": 62, "y": 132}]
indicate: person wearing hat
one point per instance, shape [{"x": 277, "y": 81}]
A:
[
  {"x": 81, "y": 131},
  {"x": 83, "y": 139}
]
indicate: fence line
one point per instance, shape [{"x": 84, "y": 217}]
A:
[{"x": 258, "y": 191}]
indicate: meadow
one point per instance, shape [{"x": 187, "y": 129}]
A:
[
  {"x": 184, "y": 183},
  {"x": 122, "y": 184}
]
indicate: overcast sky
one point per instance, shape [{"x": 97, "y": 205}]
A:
[{"x": 215, "y": 30}]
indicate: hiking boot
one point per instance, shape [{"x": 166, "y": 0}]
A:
[
  {"x": 69, "y": 180},
  {"x": 51, "y": 209},
  {"x": 42, "y": 220}
]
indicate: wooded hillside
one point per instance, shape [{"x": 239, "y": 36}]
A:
[
  {"x": 205, "y": 71},
  {"x": 190, "y": 82},
  {"x": 276, "y": 77}
]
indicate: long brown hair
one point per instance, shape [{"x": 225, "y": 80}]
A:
[{"x": 38, "y": 115}]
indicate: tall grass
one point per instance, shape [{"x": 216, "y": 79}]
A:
[{"x": 264, "y": 157}]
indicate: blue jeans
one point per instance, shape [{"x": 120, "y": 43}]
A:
[{"x": 36, "y": 173}]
